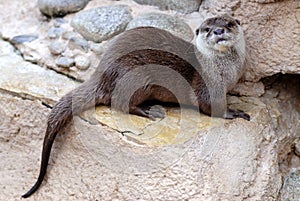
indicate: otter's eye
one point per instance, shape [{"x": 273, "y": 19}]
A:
[
  {"x": 206, "y": 30},
  {"x": 197, "y": 32},
  {"x": 230, "y": 25}
]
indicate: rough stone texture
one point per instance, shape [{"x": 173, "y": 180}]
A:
[
  {"x": 272, "y": 32},
  {"x": 186, "y": 6},
  {"x": 297, "y": 147},
  {"x": 29, "y": 80},
  {"x": 54, "y": 8},
  {"x": 255, "y": 89},
  {"x": 172, "y": 24},
  {"x": 290, "y": 190},
  {"x": 234, "y": 160},
  {"x": 19, "y": 119},
  {"x": 102, "y": 23}
]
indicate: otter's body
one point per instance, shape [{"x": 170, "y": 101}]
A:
[{"x": 153, "y": 58}]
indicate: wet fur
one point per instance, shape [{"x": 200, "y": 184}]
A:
[{"x": 150, "y": 46}]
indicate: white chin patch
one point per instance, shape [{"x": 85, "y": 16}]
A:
[{"x": 222, "y": 45}]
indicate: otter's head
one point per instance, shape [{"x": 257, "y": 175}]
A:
[{"x": 220, "y": 34}]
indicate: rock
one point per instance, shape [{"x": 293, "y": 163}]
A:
[
  {"x": 57, "y": 47},
  {"x": 98, "y": 48},
  {"x": 163, "y": 21},
  {"x": 59, "y": 21},
  {"x": 29, "y": 80},
  {"x": 102, "y": 23},
  {"x": 82, "y": 62},
  {"x": 291, "y": 186},
  {"x": 65, "y": 62},
  {"x": 297, "y": 148},
  {"x": 265, "y": 1},
  {"x": 249, "y": 89},
  {"x": 29, "y": 52},
  {"x": 69, "y": 34},
  {"x": 23, "y": 38},
  {"x": 55, "y": 8},
  {"x": 78, "y": 43},
  {"x": 20, "y": 118},
  {"x": 55, "y": 32},
  {"x": 186, "y": 6}
]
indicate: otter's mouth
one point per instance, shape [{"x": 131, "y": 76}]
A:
[{"x": 220, "y": 40}]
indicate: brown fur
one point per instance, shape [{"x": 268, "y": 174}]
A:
[{"x": 148, "y": 49}]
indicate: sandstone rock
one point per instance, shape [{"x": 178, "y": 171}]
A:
[
  {"x": 102, "y": 23},
  {"x": 20, "y": 119},
  {"x": 291, "y": 186},
  {"x": 187, "y": 6},
  {"x": 249, "y": 89},
  {"x": 54, "y": 8},
  {"x": 29, "y": 80},
  {"x": 163, "y": 21}
]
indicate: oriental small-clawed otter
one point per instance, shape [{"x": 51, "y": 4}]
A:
[{"x": 158, "y": 62}]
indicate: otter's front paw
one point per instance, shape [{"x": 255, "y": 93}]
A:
[{"x": 232, "y": 114}]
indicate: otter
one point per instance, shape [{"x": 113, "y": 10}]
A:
[{"x": 210, "y": 68}]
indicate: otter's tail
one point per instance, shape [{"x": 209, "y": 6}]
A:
[{"x": 74, "y": 102}]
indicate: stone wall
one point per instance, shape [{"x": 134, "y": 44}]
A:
[{"x": 43, "y": 58}]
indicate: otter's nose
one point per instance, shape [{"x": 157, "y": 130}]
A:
[{"x": 219, "y": 31}]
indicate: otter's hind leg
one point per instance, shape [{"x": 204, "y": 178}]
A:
[{"x": 149, "y": 111}]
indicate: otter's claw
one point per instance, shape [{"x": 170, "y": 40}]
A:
[{"x": 232, "y": 114}]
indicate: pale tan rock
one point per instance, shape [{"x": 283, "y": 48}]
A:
[
  {"x": 254, "y": 89},
  {"x": 29, "y": 80},
  {"x": 22, "y": 127}
]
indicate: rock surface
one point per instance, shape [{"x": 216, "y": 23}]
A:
[
  {"x": 82, "y": 62},
  {"x": 172, "y": 24},
  {"x": 57, "y": 48},
  {"x": 102, "y": 23},
  {"x": 29, "y": 80},
  {"x": 186, "y": 6},
  {"x": 55, "y": 8},
  {"x": 291, "y": 190},
  {"x": 64, "y": 62},
  {"x": 23, "y": 39}
]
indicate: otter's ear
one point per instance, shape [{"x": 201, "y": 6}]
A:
[
  {"x": 197, "y": 32},
  {"x": 238, "y": 22}
]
